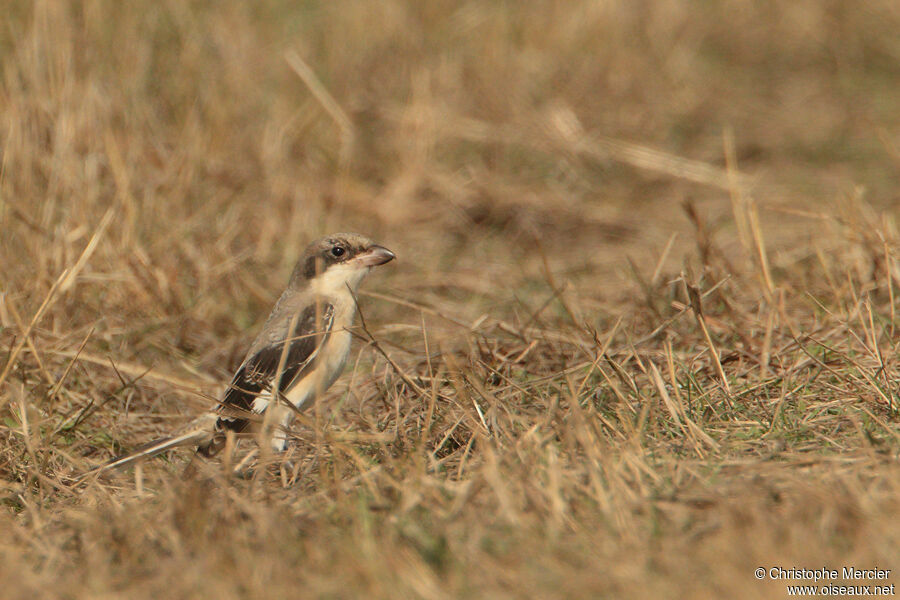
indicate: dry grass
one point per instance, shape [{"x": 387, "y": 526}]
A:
[{"x": 642, "y": 324}]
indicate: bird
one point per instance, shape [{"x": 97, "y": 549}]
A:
[{"x": 300, "y": 351}]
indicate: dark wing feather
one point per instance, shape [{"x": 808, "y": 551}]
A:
[{"x": 258, "y": 372}]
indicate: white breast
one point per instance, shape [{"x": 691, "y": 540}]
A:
[{"x": 331, "y": 358}]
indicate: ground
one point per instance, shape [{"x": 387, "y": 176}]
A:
[{"x": 639, "y": 341}]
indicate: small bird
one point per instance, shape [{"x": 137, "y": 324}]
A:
[{"x": 300, "y": 351}]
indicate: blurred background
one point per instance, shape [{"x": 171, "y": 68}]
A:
[
  {"x": 456, "y": 132},
  {"x": 544, "y": 171}
]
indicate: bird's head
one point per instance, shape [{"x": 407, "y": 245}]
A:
[{"x": 337, "y": 261}]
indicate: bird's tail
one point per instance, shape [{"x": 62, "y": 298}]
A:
[{"x": 194, "y": 436}]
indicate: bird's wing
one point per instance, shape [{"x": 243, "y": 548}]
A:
[{"x": 257, "y": 374}]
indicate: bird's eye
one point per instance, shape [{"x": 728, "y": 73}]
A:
[{"x": 337, "y": 252}]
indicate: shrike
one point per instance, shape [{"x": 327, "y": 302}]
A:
[{"x": 300, "y": 351}]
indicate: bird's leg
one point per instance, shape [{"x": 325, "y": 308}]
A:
[{"x": 282, "y": 418}]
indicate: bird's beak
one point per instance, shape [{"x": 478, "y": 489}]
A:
[{"x": 375, "y": 255}]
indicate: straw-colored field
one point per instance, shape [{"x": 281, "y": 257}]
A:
[{"x": 640, "y": 339}]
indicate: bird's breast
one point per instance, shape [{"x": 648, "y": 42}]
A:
[
  {"x": 330, "y": 361},
  {"x": 335, "y": 357}
]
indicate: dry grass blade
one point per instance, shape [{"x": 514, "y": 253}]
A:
[
  {"x": 14, "y": 354},
  {"x": 63, "y": 282},
  {"x": 697, "y": 307},
  {"x": 326, "y": 100}
]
